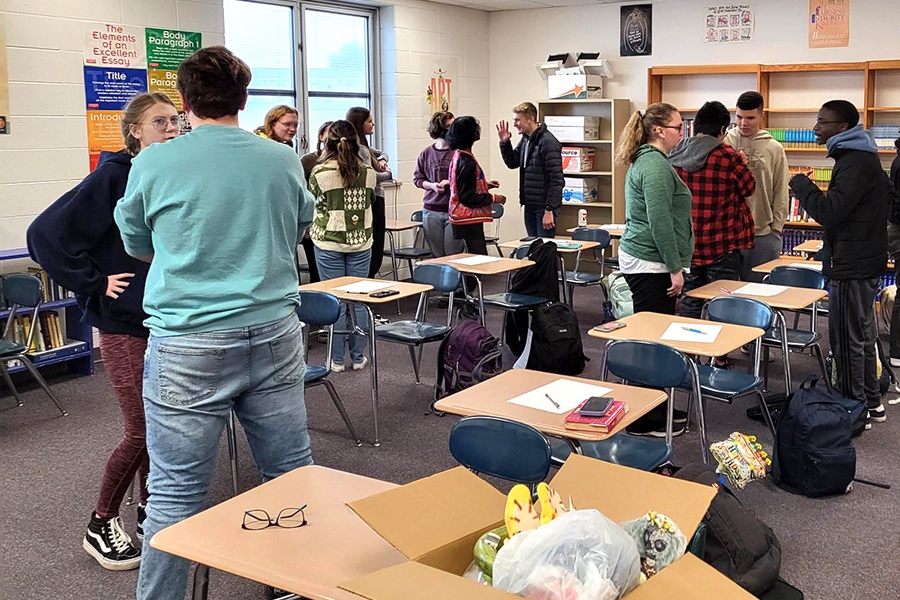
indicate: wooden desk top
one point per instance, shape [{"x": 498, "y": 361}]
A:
[
  {"x": 584, "y": 245},
  {"x": 497, "y": 267},
  {"x": 312, "y": 560},
  {"x": 406, "y": 289},
  {"x": 614, "y": 232},
  {"x": 785, "y": 262},
  {"x": 650, "y": 326},
  {"x": 400, "y": 225},
  {"x": 491, "y": 397},
  {"x": 793, "y": 298},
  {"x": 809, "y": 246}
]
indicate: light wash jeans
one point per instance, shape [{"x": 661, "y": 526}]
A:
[
  {"x": 191, "y": 384},
  {"x": 332, "y": 265},
  {"x": 439, "y": 234}
]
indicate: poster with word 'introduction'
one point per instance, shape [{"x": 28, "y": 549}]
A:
[{"x": 729, "y": 23}]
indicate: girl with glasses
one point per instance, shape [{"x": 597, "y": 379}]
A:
[{"x": 281, "y": 125}]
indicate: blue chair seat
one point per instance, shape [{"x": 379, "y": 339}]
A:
[
  {"x": 409, "y": 253},
  {"x": 513, "y": 301},
  {"x": 624, "y": 450},
  {"x": 411, "y": 332},
  {"x": 7, "y": 348},
  {"x": 315, "y": 373},
  {"x": 725, "y": 383},
  {"x": 583, "y": 278},
  {"x": 796, "y": 338}
]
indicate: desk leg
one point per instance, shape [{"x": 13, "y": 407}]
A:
[
  {"x": 574, "y": 445},
  {"x": 201, "y": 583},
  {"x": 480, "y": 299},
  {"x": 565, "y": 283},
  {"x": 374, "y": 369},
  {"x": 390, "y": 235}
]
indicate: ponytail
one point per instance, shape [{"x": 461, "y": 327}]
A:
[
  {"x": 342, "y": 146},
  {"x": 639, "y": 130}
]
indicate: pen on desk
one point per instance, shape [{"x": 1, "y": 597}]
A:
[
  {"x": 726, "y": 290},
  {"x": 552, "y": 401},
  {"x": 693, "y": 330}
]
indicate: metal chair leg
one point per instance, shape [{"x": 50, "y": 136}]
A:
[
  {"x": 200, "y": 589},
  {"x": 232, "y": 451},
  {"x": 37, "y": 377},
  {"x": 10, "y": 384},
  {"x": 818, "y": 350},
  {"x": 767, "y": 416},
  {"x": 340, "y": 406},
  {"x": 415, "y": 363}
]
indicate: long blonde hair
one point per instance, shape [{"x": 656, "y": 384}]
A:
[
  {"x": 639, "y": 130},
  {"x": 133, "y": 114}
]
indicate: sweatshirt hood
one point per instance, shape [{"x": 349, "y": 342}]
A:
[
  {"x": 855, "y": 138},
  {"x": 690, "y": 154},
  {"x": 121, "y": 157}
]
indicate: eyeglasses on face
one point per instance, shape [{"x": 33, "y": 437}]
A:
[
  {"x": 287, "y": 518},
  {"x": 289, "y": 124},
  {"x": 163, "y": 123},
  {"x": 821, "y": 122},
  {"x": 678, "y": 127}
]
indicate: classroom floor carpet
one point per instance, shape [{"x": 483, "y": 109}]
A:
[{"x": 50, "y": 467}]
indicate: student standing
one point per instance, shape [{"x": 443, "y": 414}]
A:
[
  {"x": 432, "y": 174},
  {"x": 344, "y": 189},
  {"x": 768, "y": 162},
  {"x": 225, "y": 207},
  {"x": 309, "y": 162},
  {"x": 538, "y": 156},
  {"x": 77, "y": 242},
  {"x": 894, "y": 249},
  {"x": 720, "y": 183},
  {"x": 361, "y": 119},
  {"x": 853, "y": 214},
  {"x": 280, "y": 125}
]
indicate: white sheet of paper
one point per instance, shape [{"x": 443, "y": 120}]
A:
[
  {"x": 691, "y": 332},
  {"x": 568, "y": 394},
  {"x": 806, "y": 265},
  {"x": 613, "y": 226},
  {"x": 760, "y": 289},
  {"x": 475, "y": 260},
  {"x": 364, "y": 287}
]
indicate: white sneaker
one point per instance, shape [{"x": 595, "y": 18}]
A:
[
  {"x": 895, "y": 362},
  {"x": 337, "y": 367},
  {"x": 361, "y": 364}
]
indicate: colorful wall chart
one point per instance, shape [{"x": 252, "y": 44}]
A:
[
  {"x": 121, "y": 62},
  {"x": 729, "y": 23},
  {"x": 829, "y": 23}
]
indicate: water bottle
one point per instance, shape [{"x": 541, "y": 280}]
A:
[{"x": 582, "y": 217}]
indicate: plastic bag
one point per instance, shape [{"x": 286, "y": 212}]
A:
[{"x": 581, "y": 555}]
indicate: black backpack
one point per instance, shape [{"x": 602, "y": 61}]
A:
[
  {"x": 540, "y": 279},
  {"x": 738, "y": 544},
  {"x": 556, "y": 340},
  {"x": 813, "y": 453}
]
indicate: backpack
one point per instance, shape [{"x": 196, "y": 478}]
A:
[
  {"x": 813, "y": 453},
  {"x": 469, "y": 355},
  {"x": 619, "y": 295},
  {"x": 886, "y": 298},
  {"x": 556, "y": 340},
  {"x": 540, "y": 279},
  {"x": 738, "y": 544}
]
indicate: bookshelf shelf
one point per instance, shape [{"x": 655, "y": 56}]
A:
[
  {"x": 586, "y": 143},
  {"x": 589, "y": 204},
  {"x": 884, "y": 109},
  {"x": 55, "y": 305},
  {"x": 589, "y": 174}
]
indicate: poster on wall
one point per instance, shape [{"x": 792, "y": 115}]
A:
[
  {"x": 116, "y": 46},
  {"x": 106, "y": 93},
  {"x": 636, "y": 30},
  {"x": 729, "y": 23},
  {"x": 439, "y": 74},
  {"x": 829, "y": 23},
  {"x": 166, "y": 50},
  {"x": 4, "y": 82}
]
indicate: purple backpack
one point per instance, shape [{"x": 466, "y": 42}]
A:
[{"x": 468, "y": 355}]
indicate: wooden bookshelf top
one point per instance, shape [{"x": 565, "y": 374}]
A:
[
  {"x": 704, "y": 69},
  {"x": 802, "y": 225},
  {"x": 813, "y": 67},
  {"x": 881, "y": 65}
]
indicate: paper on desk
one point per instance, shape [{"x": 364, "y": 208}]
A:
[
  {"x": 760, "y": 289},
  {"x": 364, "y": 287},
  {"x": 613, "y": 226},
  {"x": 475, "y": 260},
  {"x": 806, "y": 265},
  {"x": 691, "y": 332},
  {"x": 568, "y": 394}
]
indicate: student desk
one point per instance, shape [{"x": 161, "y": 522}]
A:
[
  {"x": 498, "y": 266},
  {"x": 491, "y": 398},
  {"x": 366, "y": 301},
  {"x": 391, "y": 227},
  {"x": 809, "y": 246},
  {"x": 793, "y": 298},
  {"x": 561, "y": 251},
  {"x": 791, "y": 261},
  {"x": 335, "y": 546},
  {"x": 614, "y": 232}
]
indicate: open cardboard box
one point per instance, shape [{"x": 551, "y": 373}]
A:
[{"x": 436, "y": 521}]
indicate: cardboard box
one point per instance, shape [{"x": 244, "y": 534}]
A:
[
  {"x": 573, "y": 129},
  {"x": 578, "y": 190},
  {"x": 576, "y": 159},
  {"x": 439, "y": 542},
  {"x": 574, "y": 84}
]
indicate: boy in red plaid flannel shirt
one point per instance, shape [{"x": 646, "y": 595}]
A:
[{"x": 720, "y": 182}]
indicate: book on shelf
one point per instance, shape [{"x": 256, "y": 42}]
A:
[
  {"x": 52, "y": 290},
  {"x": 576, "y": 422},
  {"x": 803, "y": 139},
  {"x": 48, "y": 333},
  {"x": 885, "y": 136}
]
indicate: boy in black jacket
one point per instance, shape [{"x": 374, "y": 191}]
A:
[{"x": 854, "y": 215}]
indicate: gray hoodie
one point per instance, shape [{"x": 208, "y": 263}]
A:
[
  {"x": 768, "y": 162},
  {"x": 690, "y": 154}
]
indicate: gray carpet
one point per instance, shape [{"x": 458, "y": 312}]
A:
[{"x": 839, "y": 547}]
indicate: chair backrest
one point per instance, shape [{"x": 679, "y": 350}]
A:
[
  {"x": 502, "y": 448},
  {"x": 592, "y": 234},
  {"x": 416, "y": 217},
  {"x": 797, "y": 277},
  {"x": 443, "y": 278},
  {"x": 647, "y": 364},
  {"x": 22, "y": 290},
  {"x": 318, "y": 308},
  {"x": 521, "y": 252},
  {"x": 738, "y": 310},
  {"x": 496, "y": 211}
]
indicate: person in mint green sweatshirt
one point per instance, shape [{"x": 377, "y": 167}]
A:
[
  {"x": 217, "y": 213},
  {"x": 658, "y": 243}
]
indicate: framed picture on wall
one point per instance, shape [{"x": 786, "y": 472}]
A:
[{"x": 636, "y": 30}]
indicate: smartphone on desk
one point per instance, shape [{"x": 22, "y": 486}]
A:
[
  {"x": 596, "y": 406},
  {"x": 384, "y": 293},
  {"x": 608, "y": 327}
]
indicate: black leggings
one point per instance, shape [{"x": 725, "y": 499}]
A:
[
  {"x": 378, "y": 224},
  {"x": 310, "y": 252}
]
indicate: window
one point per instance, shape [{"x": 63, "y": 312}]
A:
[{"x": 333, "y": 57}]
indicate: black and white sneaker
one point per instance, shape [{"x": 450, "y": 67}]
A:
[
  {"x": 877, "y": 414},
  {"x": 108, "y": 543},
  {"x": 679, "y": 417},
  {"x": 652, "y": 428},
  {"x": 141, "y": 517}
]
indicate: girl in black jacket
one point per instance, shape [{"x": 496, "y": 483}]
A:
[{"x": 77, "y": 242}]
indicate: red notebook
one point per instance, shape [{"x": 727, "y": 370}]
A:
[{"x": 603, "y": 424}]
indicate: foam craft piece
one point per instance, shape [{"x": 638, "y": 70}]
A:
[{"x": 741, "y": 459}]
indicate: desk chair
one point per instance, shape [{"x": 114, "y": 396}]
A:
[
  {"x": 22, "y": 291},
  {"x": 578, "y": 278},
  {"x": 512, "y": 301},
  {"x": 644, "y": 364},
  {"x": 797, "y": 339},
  {"x": 414, "y": 334},
  {"x": 408, "y": 253},
  {"x": 496, "y": 213},
  {"x": 501, "y": 448}
]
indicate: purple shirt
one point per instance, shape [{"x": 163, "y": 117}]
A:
[{"x": 434, "y": 166}]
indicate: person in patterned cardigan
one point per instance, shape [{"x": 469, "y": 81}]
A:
[{"x": 344, "y": 188}]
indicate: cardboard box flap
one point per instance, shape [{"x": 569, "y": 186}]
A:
[
  {"x": 623, "y": 494},
  {"x": 421, "y": 516},
  {"x": 414, "y": 581},
  {"x": 690, "y": 577}
]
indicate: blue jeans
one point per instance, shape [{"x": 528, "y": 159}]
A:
[
  {"x": 191, "y": 384},
  {"x": 439, "y": 233},
  {"x": 332, "y": 265},
  {"x": 534, "y": 223}
]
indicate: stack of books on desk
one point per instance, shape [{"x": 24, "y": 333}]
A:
[{"x": 576, "y": 422}]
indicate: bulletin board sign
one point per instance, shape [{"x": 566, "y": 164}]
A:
[
  {"x": 116, "y": 46},
  {"x": 166, "y": 50},
  {"x": 636, "y": 30},
  {"x": 4, "y": 81},
  {"x": 111, "y": 89},
  {"x": 729, "y": 23},
  {"x": 829, "y": 23}
]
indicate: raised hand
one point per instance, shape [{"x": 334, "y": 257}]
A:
[{"x": 503, "y": 131}]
